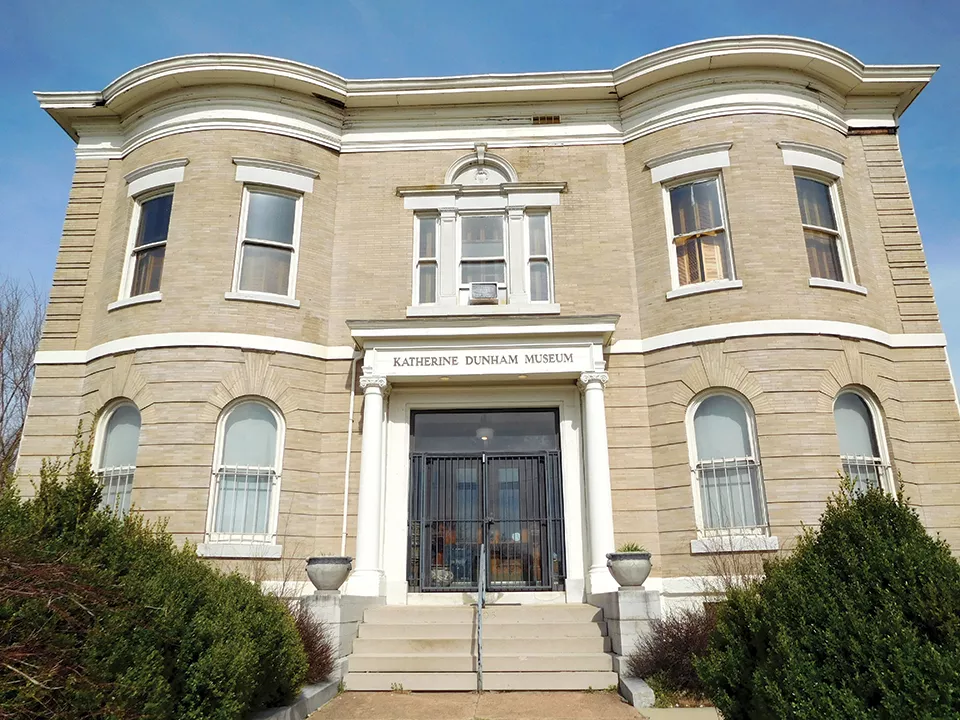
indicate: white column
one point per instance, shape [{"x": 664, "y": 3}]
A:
[
  {"x": 599, "y": 501},
  {"x": 367, "y": 576}
]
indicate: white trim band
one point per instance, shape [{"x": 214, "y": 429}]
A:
[
  {"x": 689, "y": 162},
  {"x": 812, "y": 157},
  {"x": 264, "y": 343},
  {"x": 757, "y": 328},
  {"x": 708, "y": 333},
  {"x": 275, "y": 174},
  {"x": 166, "y": 172}
]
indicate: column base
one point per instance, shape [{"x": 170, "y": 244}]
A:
[
  {"x": 366, "y": 583},
  {"x": 601, "y": 581}
]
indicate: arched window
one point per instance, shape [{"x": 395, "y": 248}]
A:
[
  {"x": 726, "y": 467},
  {"x": 247, "y": 473},
  {"x": 117, "y": 456},
  {"x": 862, "y": 454}
]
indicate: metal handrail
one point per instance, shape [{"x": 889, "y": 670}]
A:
[{"x": 481, "y": 601}]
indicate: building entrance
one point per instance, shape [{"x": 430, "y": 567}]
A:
[{"x": 490, "y": 477}]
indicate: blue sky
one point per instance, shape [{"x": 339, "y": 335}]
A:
[{"x": 47, "y": 45}]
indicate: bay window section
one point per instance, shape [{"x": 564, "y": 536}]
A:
[
  {"x": 425, "y": 291},
  {"x": 826, "y": 252},
  {"x": 152, "y": 220},
  {"x": 482, "y": 256},
  {"x": 538, "y": 231},
  {"x": 269, "y": 240},
  {"x": 699, "y": 234}
]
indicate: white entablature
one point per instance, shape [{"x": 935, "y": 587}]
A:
[{"x": 708, "y": 78}]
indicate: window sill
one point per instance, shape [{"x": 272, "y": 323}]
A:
[
  {"x": 268, "y": 551},
  {"x": 836, "y": 285},
  {"x": 262, "y": 298},
  {"x": 507, "y": 309},
  {"x": 705, "y": 287},
  {"x": 135, "y": 300},
  {"x": 734, "y": 544}
]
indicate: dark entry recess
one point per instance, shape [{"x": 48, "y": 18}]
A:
[{"x": 499, "y": 483}]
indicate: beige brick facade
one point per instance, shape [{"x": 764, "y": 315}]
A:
[{"x": 610, "y": 256}]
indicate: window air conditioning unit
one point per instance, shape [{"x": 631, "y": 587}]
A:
[{"x": 484, "y": 293}]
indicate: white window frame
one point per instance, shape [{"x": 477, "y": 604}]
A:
[
  {"x": 99, "y": 446},
  {"x": 705, "y": 285},
  {"x": 876, "y": 420},
  {"x": 505, "y": 257},
  {"x": 530, "y": 258},
  {"x": 252, "y": 544},
  {"x": 130, "y": 262},
  {"x": 242, "y": 240},
  {"x": 733, "y": 539},
  {"x": 420, "y": 218},
  {"x": 840, "y": 234}
]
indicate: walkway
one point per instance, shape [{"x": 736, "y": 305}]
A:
[{"x": 600, "y": 705}]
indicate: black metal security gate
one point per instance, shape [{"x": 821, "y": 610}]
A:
[{"x": 512, "y": 502}]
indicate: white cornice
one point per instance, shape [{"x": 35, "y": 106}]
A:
[{"x": 678, "y": 84}]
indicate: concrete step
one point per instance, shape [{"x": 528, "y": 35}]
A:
[
  {"x": 468, "y": 681},
  {"x": 492, "y": 646},
  {"x": 567, "y": 662},
  {"x": 400, "y": 662},
  {"x": 418, "y": 614},
  {"x": 438, "y": 663},
  {"x": 410, "y": 681},
  {"x": 497, "y": 614},
  {"x": 490, "y": 630},
  {"x": 549, "y": 680}
]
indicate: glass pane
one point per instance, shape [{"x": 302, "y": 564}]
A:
[
  {"x": 730, "y": 495},
  {"x": 721, "y": 430},
  {"x": 147, "y": 271},
  {"x": 855, "y": 426},
  {"x": 121, "y": 437},
  {"x": 504, "y": 430},
  {"x": 823, "y": 256},
  {"x": 484, "y": 271},
  {"x": 539, "y": 281},
  {"x": 695, "y": 206},
  {"x": 428, "y": 283},
  {"x": 428, "y": 237},
  {"x": 482, "y": 236},
  {"x": 538, "y": 235},
  {"x": 154, "y": 220},
  {"x": 265, "y": 269},
  {"x": 250, "y": 436},
  {"x": 815, "y": 205},
  {"x": 270, "y": 217}
]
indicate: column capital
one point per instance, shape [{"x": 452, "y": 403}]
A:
[
  {"x": 374, "y": 382},
  {"x": 587, "y": 378}
]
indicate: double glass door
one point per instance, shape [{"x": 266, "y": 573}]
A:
[{"x": 506, "y": 495}]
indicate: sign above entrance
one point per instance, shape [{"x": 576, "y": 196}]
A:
[{"x": 417, "y": 362}]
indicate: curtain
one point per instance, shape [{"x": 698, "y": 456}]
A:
[
  {"x": 271, "y": 217},
  {"x": 250, "y": 436},
  {"x": 148, "y": 271},
  {"x": 265, "y": 269},
  {"x": 121, "y": 438},
  {"x": 816, "y": 207},
  {"x": 855, "y": 426},
  {"x": 699, "y": 236},
  {"x": 823, "y": 255}
]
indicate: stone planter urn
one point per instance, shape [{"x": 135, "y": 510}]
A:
[
  {"x": 629, "y": 569},
  {"x": 328, "y": 572}
]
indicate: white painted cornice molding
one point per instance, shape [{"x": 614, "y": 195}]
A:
[{"x": 667, "y": 87}]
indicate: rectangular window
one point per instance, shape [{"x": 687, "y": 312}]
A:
[
  {"x": 269, "y": 239},
  {"x": 427, "y": 259},
  {"x": 821, "y": 231},
  {"x": 152, "y": 219},
  {"x": 482, "y": 257},
  {"x": 538, "y": 231},
  {"x": 698, "y": 233}
]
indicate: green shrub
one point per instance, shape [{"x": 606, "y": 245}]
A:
[
  {"x": 861, "y": 621},
  {"x": 102, "y": 617}
]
